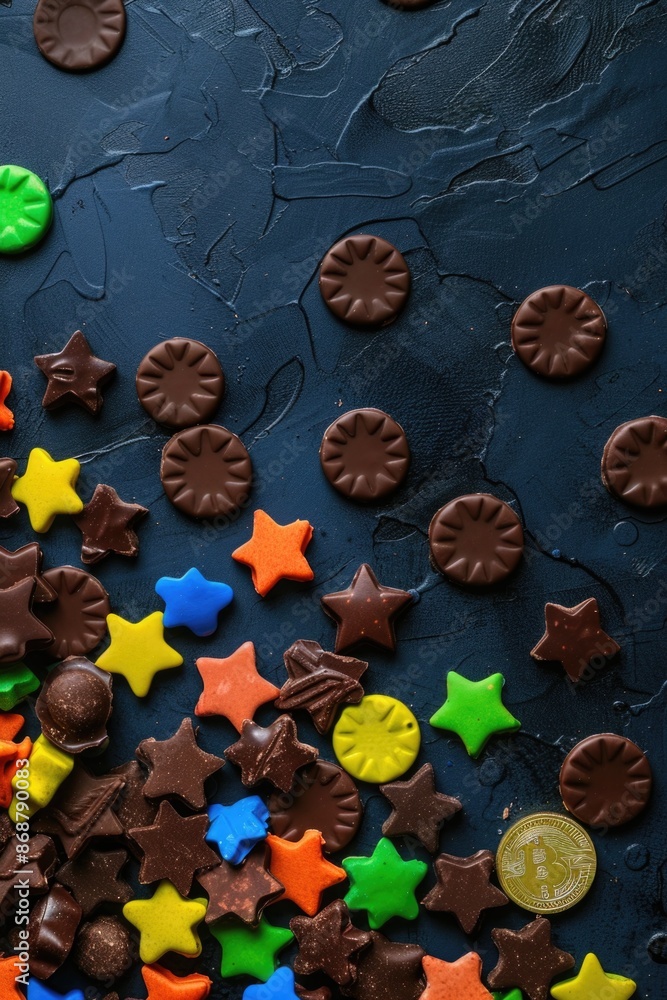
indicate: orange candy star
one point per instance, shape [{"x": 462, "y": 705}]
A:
[
  {"x": 6, "y": 415},
  {"x": 8, "y": 973},
  {"x": 276, "y": 552},
  {"x": 9, "y": 753},
  {"x": 232, "y": 686},
  {"x": 164, "y": 985},
  {"x": 454, "y": 980},
  {"x": 302, "y": 869},
  {"x": 11, "y": 725}
]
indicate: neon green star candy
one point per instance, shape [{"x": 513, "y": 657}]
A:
[
  {"x": 16, "y": 682},
  {"x": 474, "y": 711},
  {"x": 250, "y": 950},
  {"x": 384, "y": 884}
]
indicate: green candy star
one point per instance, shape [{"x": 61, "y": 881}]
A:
[
  {"x": 16, "y": 682},
  {"x": 250, "y": 950},
  {"x": 384, "y": 884},
  {"x": 514, "y": 994},
  {"x": 474, "y": 711}
]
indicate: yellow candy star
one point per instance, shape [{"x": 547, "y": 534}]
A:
[
  {"x": 592, "y": 982},
  {"x": 167, "y": 922},
  {"x": 138, "y": 651},
  {"x": 47, "y": 488}
]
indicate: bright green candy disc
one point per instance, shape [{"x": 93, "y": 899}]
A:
[{"x": 26, "y": 209}]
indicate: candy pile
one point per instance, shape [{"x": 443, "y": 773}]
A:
[{"x": 78, "y": 829}]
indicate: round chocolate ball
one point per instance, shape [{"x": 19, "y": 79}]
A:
[
  {"x": 103, "y": 949},
  {"x": 74, "y": 705}
]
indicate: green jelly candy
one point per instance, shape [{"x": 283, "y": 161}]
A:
[{"x": 26, "y": 209}]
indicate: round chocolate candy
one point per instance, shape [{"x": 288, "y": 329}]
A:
[
  {"x": 180, "y": 383},
  {"x": 558, "y": 331},
  {"x": 26, "y": 210},
  {"x": 322, "y": 798},
  {"x": 365, "y": 281},
  {"x": 365, "y": 454},
  {"x": 74, "y": 705},
  {"x": 476, "y": 540},
  {"x": 206, "y": 471},
  {"x": 79, "y": 34},
  {"x": 78, "y": 616},
  {"x": 634, "y": 462},
  {"x": 605, "y": 780},
  {"x": 103, "y": 949}
]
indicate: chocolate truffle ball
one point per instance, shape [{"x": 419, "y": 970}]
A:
[
  {"x": 74, "y": 705},
  {"x": 103, "y": 949}
]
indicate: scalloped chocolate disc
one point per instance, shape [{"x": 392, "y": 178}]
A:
[
  {"x": 605, "y": 780},
  {"x": 206, "y": 471},
  {"x": 476, "y": 540},
  {"x": 558, "y": 331},
  {"x": 323, "y": 798},
  {"x": 365, "y": 281},
  {"x": 365, "y": 454},
  {"x": 78, "y": 616},
  {"x": 180, "y": 383},
  {"x": 79, "y": 34},
  {"x": 634, "y": 462}
]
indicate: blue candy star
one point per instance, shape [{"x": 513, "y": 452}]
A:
[
  {"x": 235, "y": 829},
  {"x": 279, "y": 987},
  {"x": 38, "y": 991},
  {"x": 193, "y": 601}
]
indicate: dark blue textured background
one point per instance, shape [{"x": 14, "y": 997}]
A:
[{"x": 198, "y": 179}]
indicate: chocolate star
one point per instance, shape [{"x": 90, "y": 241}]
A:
[
  {"x": 174, "y": 848},
  {"x": 464, "y": 888},
  {"x": 418, "y": 809},
  {"x": 327, "y": 943},
  {"x": 273, "y": 753},
  {"x": 388, "y": 970},
  {"x": 93, "y": 878},
  {"x": 21, "y": 631},
  {"x": 41, "y": 863},
  {"x": 574, "y": 638},
  {"x": 19, "y": 565},
  {"x": 241, "y": 890},
  {"x": 75, "y": 375},
  {"x": 8, "y": 504},
  {"x": 527, "y": 959},
  {"x": 321, "y": 993},
  {"x": 320, "y": 682},
  {"x": 178, "y": 766},
  {"x": 132, "y": 807},
  {"x": 107, "y": 525},
  {"x": 366, "y": 611},
  {"x": 6, "y": 830},
  {"x": 82, "y": 810}
]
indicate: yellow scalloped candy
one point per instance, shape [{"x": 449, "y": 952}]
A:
[
  {"x": 377, "y": 740},
  {"x": 47, "y": 769}
]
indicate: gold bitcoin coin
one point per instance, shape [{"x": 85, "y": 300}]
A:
[{"x": 546, "y": 863}]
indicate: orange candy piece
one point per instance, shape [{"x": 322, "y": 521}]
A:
[
  {"x": 8, "y": 973},
  {"x": 9, "y": 753},
  {"x": 454, "y": 980},
  {"x": 302, "y": 869},
  {"x": 11, "y": 725},
  {"x": 232, "y": 686},
  {"x": 164, "y": 985},
  {"x": 276, "y": 552},
  {"x": 6, "y": 415}
]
